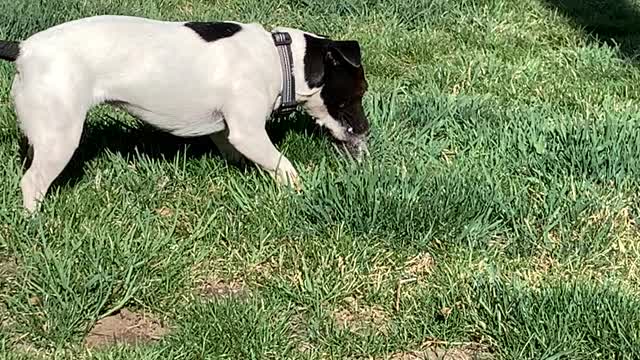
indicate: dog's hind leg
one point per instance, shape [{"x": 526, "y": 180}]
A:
[{"x": 53, "y": 126}]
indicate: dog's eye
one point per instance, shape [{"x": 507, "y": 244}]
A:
[
  {"x": 350, "y": 130},
  {"x": 342, "y": 105}
]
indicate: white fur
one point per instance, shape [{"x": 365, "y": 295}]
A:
[{"x": 165, "y": 74}]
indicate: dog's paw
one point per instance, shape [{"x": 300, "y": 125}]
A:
[
  {"x": 293, "y": 181},
  {"x": 289, "y": 178},
  {"x": 296, "y": 184}
]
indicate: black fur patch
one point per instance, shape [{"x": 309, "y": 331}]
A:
[
  {"x": 212, "y": 31},
  {"x": 9, "y": 50}
]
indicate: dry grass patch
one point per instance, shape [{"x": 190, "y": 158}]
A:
[
  {"x": 421, "y": 265},
  {"x": 165, "y": 212},
  {"x": 215, "y": 287},
  {"x": 210, "y": 283},
  {"x": 8, "y": 269},
  {"x": 357, "y": 317},
  {"x": 440, "y": 350},
  {"x": 8, "y": 272},
  {"x": 619, "y": 258},
  {"x": 299, "y": 328}
]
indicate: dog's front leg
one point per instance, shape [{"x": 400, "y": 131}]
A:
[
  {"x": 228, "y": 152},
  {"x": 250, "y": 138}
]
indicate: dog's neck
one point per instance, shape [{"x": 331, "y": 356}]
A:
[{"x": 299, "y": 49}]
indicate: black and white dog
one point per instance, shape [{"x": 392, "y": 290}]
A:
[{"x": 222, "y": 79}]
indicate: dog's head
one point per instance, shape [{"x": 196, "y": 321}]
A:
[{"x": 334, "y": 69}]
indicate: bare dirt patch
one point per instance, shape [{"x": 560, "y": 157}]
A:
[{"x": 125, "y": 327}]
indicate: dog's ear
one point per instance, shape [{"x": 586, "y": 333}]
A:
[
  {"x": 314, "y": 60},
  {"x": 345, "y": 52},
  {"x": 322, "y": 52}
]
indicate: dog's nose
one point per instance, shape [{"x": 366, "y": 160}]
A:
[{"x": 361, "y": 127}]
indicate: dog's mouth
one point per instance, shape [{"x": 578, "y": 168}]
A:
[{"x": 355, "y": 147}]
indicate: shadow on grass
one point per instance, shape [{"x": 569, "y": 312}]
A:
[
  {"x": 129, "y": 141},
  {"x": 613, "y": 22}
]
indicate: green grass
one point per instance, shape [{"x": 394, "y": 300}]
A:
[{"x": 505, "y": 160}]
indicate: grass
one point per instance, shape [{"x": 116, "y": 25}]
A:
[{"x": 499, "y": 207}]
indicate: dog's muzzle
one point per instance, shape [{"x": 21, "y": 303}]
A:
[{"x": 356, "y": 147}]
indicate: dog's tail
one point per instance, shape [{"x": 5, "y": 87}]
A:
[{"x": 9, "y": 50}]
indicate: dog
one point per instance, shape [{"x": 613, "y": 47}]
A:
[{"x": 221, "y": 79}]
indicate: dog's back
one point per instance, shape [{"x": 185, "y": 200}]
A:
[
  {"x": 147, "y": 64},
  {"x": 121, "y": 46}
]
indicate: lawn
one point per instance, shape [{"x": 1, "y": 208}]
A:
[{"x": 497, "y": 216}]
